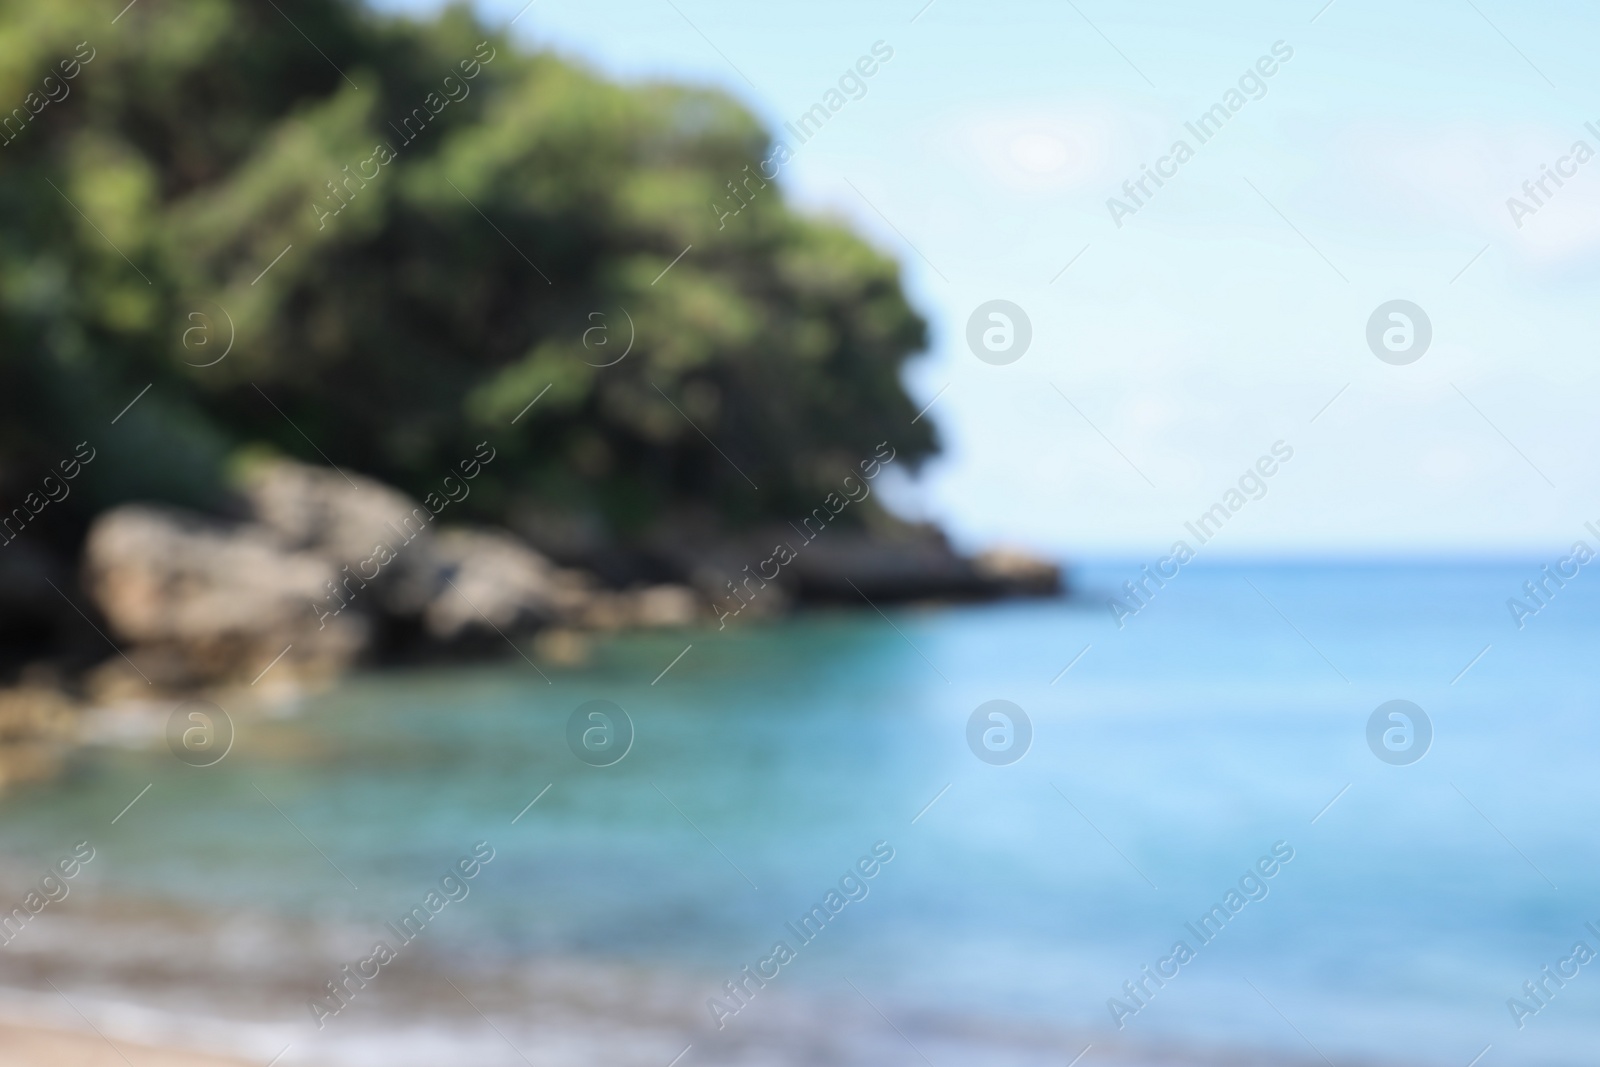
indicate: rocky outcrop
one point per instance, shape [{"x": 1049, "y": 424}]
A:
[
  {"x": 766, "y": 572},
  {"x": 492, "y": 580},
  {"x": 193, "y": 600},
  {"x": 1016, "y": 572},
  {"x": 324, "y": 570},
  {"x": 912, "y": 563},
  {"x": 349, "y": 520}
]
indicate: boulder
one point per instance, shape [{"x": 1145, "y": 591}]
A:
[
  {"x": 496, "y": 583},
  {"x": 490, "y": 580},
  {"x": 648, "y": 607},
  {"x": 1017, "y": 572},
  {"x": 373, "y": 535},
  {"x": 330, "y": 569},
  {"x": 194, "y": 600}
]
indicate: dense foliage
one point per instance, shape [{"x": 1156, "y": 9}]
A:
[{"x": 143, "y": 196}]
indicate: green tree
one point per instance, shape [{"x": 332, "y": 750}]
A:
[{"x": 417, "y": 296}]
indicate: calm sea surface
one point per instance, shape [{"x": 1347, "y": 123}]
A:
[{"x": 1176, "y": 752}]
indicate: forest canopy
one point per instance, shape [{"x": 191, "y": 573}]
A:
[{"x": 402, "y": 233}]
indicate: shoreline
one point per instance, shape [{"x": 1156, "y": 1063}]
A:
[{"x": 168, "y": 986}]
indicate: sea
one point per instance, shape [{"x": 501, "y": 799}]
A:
[{"x": 1361, "y": 795}]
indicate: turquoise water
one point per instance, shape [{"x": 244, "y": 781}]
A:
[{"x": 1172, "y": 755}]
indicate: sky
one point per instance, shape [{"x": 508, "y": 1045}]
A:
[{"x": 1177, "y": 339}]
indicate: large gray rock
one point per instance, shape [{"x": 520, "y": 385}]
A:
[
  {"x": 491, "y": 580},
  {"x": 494, "y": 582},
  {"x": 380, "y": 541},
  {"x": 192, "y": 600}
]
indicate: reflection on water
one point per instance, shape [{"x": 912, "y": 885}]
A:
[{"x": 1173, "y": 757}]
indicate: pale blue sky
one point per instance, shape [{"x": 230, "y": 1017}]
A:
[{"x": 1209, "y": 325}]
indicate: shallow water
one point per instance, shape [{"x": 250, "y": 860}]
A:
[{"x": 1220, "y": 720}]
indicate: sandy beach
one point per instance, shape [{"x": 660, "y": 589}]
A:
[{"x": 32, "y": 1047}]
